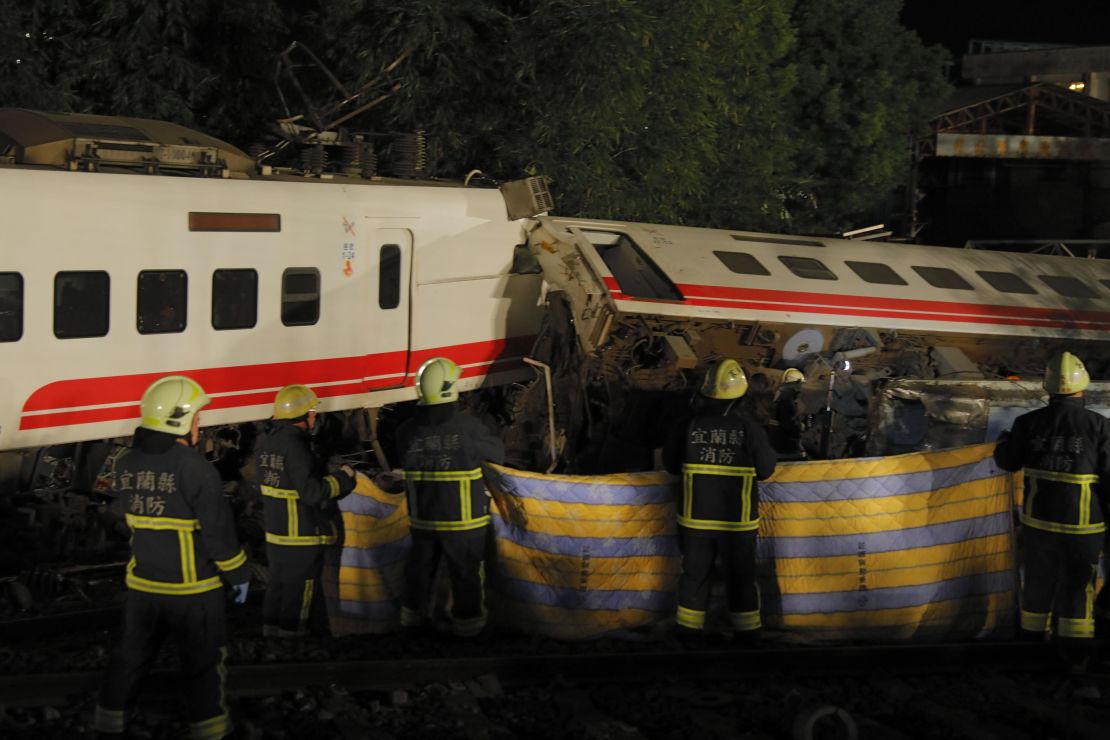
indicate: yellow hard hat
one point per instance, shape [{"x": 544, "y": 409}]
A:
[
  {"x": 1065, "y": 375},
  {"x": 436, "y": 381},
  {"x": 725, "y": 380},
  {"x": 793, "y": 375},
  {"x": 294, "y": 401},
  {"x": 170, "y": 403}
]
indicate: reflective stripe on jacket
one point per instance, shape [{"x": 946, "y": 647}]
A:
[
  {"x": 721, "y": 455},
  {"x": 182, "y": 530},
  {"x": 445, "y": 499},
  {"x": 741, "y": 509},
  {"x": 1063, "y": 450},
  {"x": 443, "y": 448},
  {"x": 294, "y": 488},
  {"x": 1072, "y": 493}
]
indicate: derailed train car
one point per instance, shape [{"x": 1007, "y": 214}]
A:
[
  {"x": 649, "y": 304},
  {"x": 134, "y": 248}
]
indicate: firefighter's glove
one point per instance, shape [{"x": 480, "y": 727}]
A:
[{"x": 239, "y": 592}]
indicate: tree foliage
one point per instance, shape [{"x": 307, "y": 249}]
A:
[
  {"x": 865, "y": 84},
  {"x": 201, "y": 63},
  {"x": 757, "y": 114},
  {"x": 633, "y": 109}
]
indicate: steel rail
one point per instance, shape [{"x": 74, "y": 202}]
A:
[{"x": 625, "y": 667}]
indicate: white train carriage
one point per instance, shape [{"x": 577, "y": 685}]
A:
[
  {"x": 781, "y": 299},
  {"x": 248, "y": 279},
  {"x": 110, "y": 279}
]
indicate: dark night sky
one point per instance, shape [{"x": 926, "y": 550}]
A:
[{"x": 954, "y": 22}]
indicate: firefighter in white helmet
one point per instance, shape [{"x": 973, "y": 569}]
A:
[
  {"x": 1064, "y": 452},
  {"x": 184, "y": 549},
  {"x": 296, "y": 489},
  {"x": 720, "y": 455},
  {"x": 443, "y": 448}
]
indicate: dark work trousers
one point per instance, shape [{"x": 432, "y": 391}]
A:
[
  {"x": 196, "y": 625},
  {"x": 294, "y": 603},
  {"x": 464, "y": 553},
  {"x": 1060, "y": 572},
  {"x": 736, "y": 550}
]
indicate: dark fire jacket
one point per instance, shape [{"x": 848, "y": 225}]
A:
[
  {"x": 294, "y": 488},
  {"x": 720, "y": 456},
  {"x": 443, "y": 449},
  {"x": 182, "y": 530},
  {"x": 1064, "y": 451}
]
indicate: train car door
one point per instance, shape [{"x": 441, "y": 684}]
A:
[{"x": 391, "y": 253}]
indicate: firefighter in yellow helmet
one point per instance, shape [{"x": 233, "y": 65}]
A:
[
  {"x": 296, "y": 489},
  {"x": 787, "y": 439},
  {"x": 183, "y": 550},
  {"x": 1064, "y": 452},
  {"x": 443, "y": 448},
  {"x": 720, "y": 455}
]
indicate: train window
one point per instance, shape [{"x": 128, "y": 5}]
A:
[
  {"x": 234, "y": 299},
  {"x": 1006, "y": 282},
  {"x": 163, "y": 296},
  {"x": 942, "y": 277},
  {"x": 300, "y": 296},
  {"x": 875, "y": 272},
  {"x": 807, "y": 267},
  {"x": 11, "y": 306},
  {"x": 742, "y": 263},
  {"x": 777, "y": 240},
  {"x": 636, "y": 274},
  {"x": 81, "y": 304},
  {"x": 389, "y": 276},
  {"x": 1069, "y": 287}
]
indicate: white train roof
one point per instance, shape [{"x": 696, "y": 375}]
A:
[{"x": 685, "y": 272}]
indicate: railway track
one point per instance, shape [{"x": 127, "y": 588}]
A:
[
  {"x": 702, "y": 664},
  {"x": 1006, "y": 691}
]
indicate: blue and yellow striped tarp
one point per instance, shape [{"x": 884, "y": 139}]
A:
[
  {"x": 910, "y": 546},
  {"x": 583, "y": 556},
  {"x": 916, "y": 546},
  {"x": 364, "y": 589}
]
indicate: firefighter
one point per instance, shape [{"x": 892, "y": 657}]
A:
[
  {"x": 295, "y": 493},
  {"x": 442, "y": 450},
  {"x": 787, "y": 442},
  {"x": 1064, "y": 451},
  {"x": 720, "y": 455},
  {"x": 183, "y": 548}
]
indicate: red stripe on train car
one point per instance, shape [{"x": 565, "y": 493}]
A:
[
  {"x": 232, "y": 379},
  {"x": 388, "y": 371},
  {"x": 869, "y": 306},
  {"x": 874, "y": 313},
  {"x": 473, "y": 353}
]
